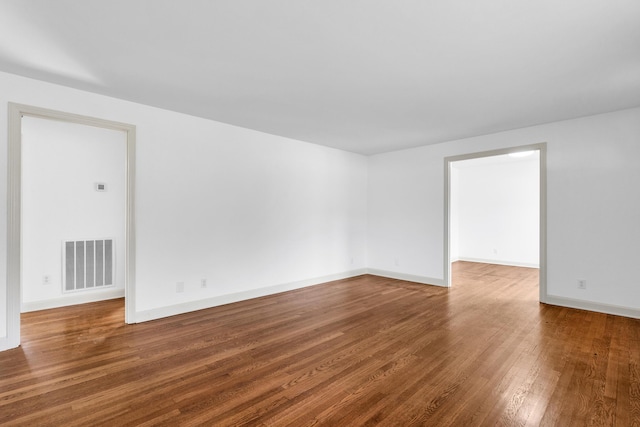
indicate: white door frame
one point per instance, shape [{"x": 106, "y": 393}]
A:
[
  {"x": 542, "y": 148},
  {"x": 14, "y": 219}
]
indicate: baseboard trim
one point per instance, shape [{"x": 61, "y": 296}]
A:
[
  {"x": 593, "y": 306},
  {"x": 407, "y": 277},
  {"x": 73, "y": 299},
  {"x": 186, "y": 307},
  {"x": 499, "y": 262}
]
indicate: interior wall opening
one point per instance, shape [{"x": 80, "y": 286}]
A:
[
  {"x": 496, "y": 210},
  {"x": 18, "y": 112},
  {"x": 73, "y": 213}
]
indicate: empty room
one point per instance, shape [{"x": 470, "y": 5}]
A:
[{"x": 297, "y": 213}]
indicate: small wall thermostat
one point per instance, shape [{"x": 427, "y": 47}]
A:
[{"x": 101, "y": 186}]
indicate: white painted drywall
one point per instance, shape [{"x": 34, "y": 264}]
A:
[
  {"x": 244, "y": 209},
  {"x": 61, "y": 162},
  {"x": 496, "y": 209},
  {"x": 592, "y": 213}
]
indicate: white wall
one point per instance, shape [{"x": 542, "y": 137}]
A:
[
  {"x": 246, "y": 210},
  {"x": 593, "y": 207},
  {"x": 496, "y": 210},
  {"x": 61, "y": 162}
]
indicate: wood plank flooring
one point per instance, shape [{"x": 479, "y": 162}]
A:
[{"x": 357, "y": 352}]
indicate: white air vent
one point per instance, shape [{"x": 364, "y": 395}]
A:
[{"x": 87, "y": 264}]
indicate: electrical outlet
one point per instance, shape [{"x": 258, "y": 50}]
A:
[
  {"x": 495, "y": 251},
  {"x": 180, "y": 287},
  {"x": 203, "y": 283},
  {"x": 397, "y": 262},
  {"x": 46, "y": 280},
  {"x": 582, "y": 284}
]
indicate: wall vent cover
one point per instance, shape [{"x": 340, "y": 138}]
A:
[{"x": 87, "y": 264}]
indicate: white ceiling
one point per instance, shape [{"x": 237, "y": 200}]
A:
[{"x": 366, "y": 76}]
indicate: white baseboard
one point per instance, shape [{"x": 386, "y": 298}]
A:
[
  {"x": 407, "y": 277},
  {"x": 172, "y": 310},
  {"x": 73, "y": 299},
  {"x": 255, "y": 293},
  {"x": 593, "y": 306},
  {"x": 499, "y": 262}
]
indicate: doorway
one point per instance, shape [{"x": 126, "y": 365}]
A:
[
  {"x": 513, "y": 254},
  {"x": 15, "y": 220}
]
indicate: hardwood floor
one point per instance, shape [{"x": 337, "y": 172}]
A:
[{"x": 362, "y": 351}]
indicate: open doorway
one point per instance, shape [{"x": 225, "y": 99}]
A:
[
  {"x": 98, "y": 246},
  {"x": 496, "y": 221},
  {"x": 73, "y": 208}
]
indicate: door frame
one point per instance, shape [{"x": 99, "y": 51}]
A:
[
  {"x": 542, "y": 149},
  {"x": 14, "y": 217}
]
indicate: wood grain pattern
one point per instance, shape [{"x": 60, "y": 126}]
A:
[{"x": 362, "y": 351}]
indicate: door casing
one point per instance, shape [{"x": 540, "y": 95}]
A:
[{"x": 14, "y": 219}]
